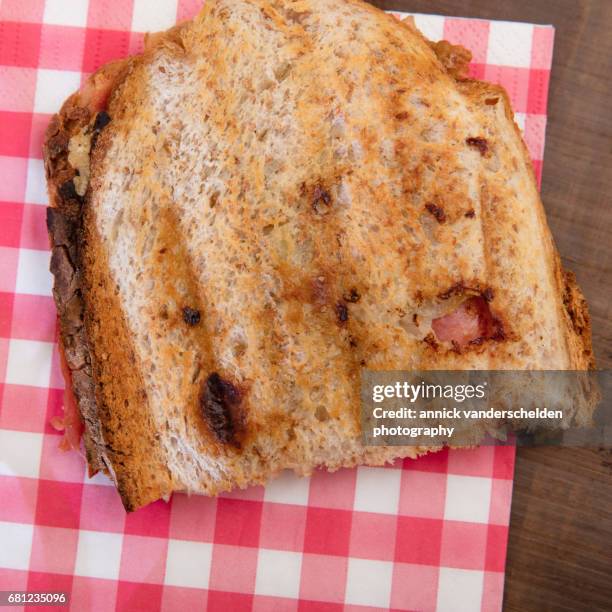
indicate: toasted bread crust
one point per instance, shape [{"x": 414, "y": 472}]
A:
[
  {"x": 87, "y": 310},
  {"x": 573, "y": 308},
  {"x": 121, "y": 438},
  {"x": 130, "y": 436}
]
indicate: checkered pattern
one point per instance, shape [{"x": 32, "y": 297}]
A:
[{"x": 420, "y": 535}]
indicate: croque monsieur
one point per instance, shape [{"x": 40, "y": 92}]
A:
[{"x": 270, "y": 198}]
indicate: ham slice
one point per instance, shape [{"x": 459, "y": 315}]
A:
[
  {"x": 70, "y": 423},
  {"x": 95, "y": 93},
  {"x": 470, "y": 323},
  {"x": 97, "y": 88}
]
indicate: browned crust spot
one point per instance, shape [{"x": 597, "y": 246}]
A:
[
  {"x": 430, "y": 340},
  {"x": 321, "y": 200},
  {"x": 191, "y": 316},
  {"x": 480, "y": 143},
  {"x": 437, "y": 212},
  {"x": 577, "y": 310},
  {"x": 219, "y": 402},
  {"x": 342, "y": 313},
  {"x": 352, "y": 296}
]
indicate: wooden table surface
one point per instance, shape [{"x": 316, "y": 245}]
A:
[{"x": 560, "y": 544}]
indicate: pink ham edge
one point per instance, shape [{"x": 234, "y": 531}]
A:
[
  {"x": 470, "y": 322},
  {"x": 70, "y": 421}
]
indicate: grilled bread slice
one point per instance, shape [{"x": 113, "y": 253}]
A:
[{"x": 269, "y": 199}]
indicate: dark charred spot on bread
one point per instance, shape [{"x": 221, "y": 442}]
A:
[
  {"x": 191, "y": 316},
  {"x": 402, "y": 116},
  {"x": 342, "y": 312},
  {"x": 101, "y": 121},
  {"x": 352, "y": 296},
  {"x": 219, "y": 401},
  {"x": 430, "y": 340},
  {"x": 470, "y": 214},
  {"x": 321, "y": 200},
  {"x": 491, "y": 101},
  {"x": 67, "y": 191},
  {"x": 321, "y": 194},
  {"x": 436, "y": 211},
  {"x": 488, "y": 294},
  {"x": 479, "y": 143}
]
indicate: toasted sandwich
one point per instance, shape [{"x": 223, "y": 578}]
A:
[{"x": 269, "y": 199}]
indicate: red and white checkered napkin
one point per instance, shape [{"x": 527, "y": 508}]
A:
[{"x": 421, "y": 535}]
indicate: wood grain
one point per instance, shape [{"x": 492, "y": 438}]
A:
[{"x": 560, "y": 545}]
